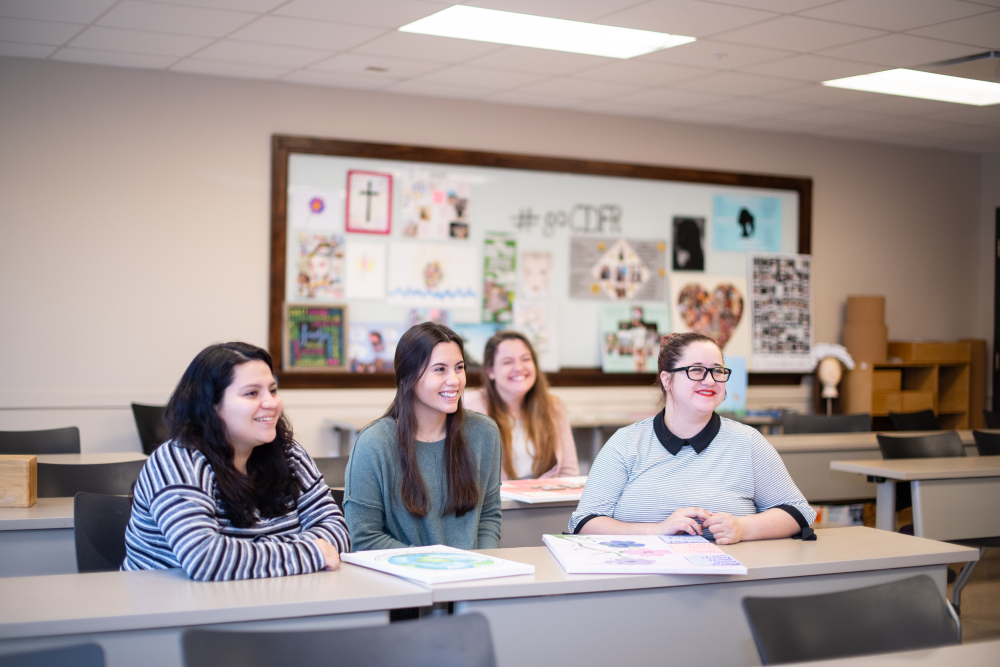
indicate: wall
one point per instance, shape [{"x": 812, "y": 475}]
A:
[
  {"x": 134, "y": 211},
  {"x": 987, "y": 256}
]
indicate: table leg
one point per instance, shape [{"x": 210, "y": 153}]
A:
[
  {"x": 885, "y": 505},
  {"x": 595, "y": 442}
]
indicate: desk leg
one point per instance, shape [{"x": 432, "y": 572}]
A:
[
  {"x": 595, "y": 442},
  {"x": 885, "y": 505}
]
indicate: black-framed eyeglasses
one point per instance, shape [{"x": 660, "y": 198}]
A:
[{"x": 698, "y": 373}]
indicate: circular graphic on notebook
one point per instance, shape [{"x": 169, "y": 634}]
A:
[{"x": 440, "y": 561}]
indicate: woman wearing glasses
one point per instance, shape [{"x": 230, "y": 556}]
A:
[{"x": 687, "y": 470}]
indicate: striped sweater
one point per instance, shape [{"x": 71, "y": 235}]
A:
[
  {"x": 636, "y": 480},
  {"x": 178, "y": 521}
]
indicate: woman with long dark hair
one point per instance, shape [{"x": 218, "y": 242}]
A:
[
  {"x": 427, "y": 472},
  {"x": 231, "y": 495},
  {"x": 534, "y": 427}
]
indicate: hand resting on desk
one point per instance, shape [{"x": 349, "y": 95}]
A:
[{"x": 330, "y": 554}]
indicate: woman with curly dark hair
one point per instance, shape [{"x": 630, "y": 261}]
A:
[{"x": 231, "y": 495}]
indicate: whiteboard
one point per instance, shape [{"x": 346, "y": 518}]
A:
[{"x": 542, "y": 210}]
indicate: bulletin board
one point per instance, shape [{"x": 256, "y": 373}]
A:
[{"x": 369, "y": 226}]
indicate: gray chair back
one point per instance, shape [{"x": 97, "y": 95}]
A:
[
  {"x": 924, "y": 420},
  {"x": 81, "y": 655},
  {"x": 462, "y": 640},
  {"x": 793, "y": 423},
  {"x": 987, "y": 442},
  {"x": 333, "y": 469},
  {"x": 99, "y": 523},
  {"x": 150, "y": 423},
  {"x": 931, "y": 445},
  {"x": 51, "y": 441},
  {"x": 992, "y": 419},
  {"x": 61, "y": 480},
  {"x": 899, "y": 616}
]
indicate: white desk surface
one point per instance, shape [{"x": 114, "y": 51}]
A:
[
  {"x": 85, "y": 459},
  {"x": 115, "y": 601},
  {"x": 836, "y": 550},
  {"x": 960, "y": 467},
  {"x": 507, "y": 505},
  {"x": 813, "y": 442},
  {"x": 979, "y": 654},
  {"x": 46, "y": 513}
]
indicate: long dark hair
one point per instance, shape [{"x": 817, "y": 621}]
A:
[
  {"x": 539, "y": 426},
  {"x": 270, "y": 486},
  {"x": 413, "y": 353}
]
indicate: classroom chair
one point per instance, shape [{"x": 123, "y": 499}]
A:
[
  {"x": 925, "y": 420},
  {"x": 152, "y": 427},
  {"x": 333, "y": 468},
  {"x": 80, "y": 655},
  {"x": 99, "y": 523},
  {"x": 795, "y": 423},
  {"x": 898, "y": 616},
  {"x": 931, "y": 445},
  {"x": 987, "y": 442},
  {"x": 992, "y": 419},
  {"x": 62, "y": 480},
  {"x": 51, "y": 441},
  {"x": 462, "y": 640}
]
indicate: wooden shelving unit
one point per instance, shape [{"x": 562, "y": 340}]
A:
[{"x": 921, "y": 381}]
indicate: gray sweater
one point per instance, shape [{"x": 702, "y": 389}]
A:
[{"x": 373, "y": 503}]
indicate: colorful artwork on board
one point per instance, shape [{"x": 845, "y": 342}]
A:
[
  {"x": 499, "y": 277},
  {"x": 746, "y": 223},
  {"x": 440, "y": 275},
  {"x": 434, "y": 207},
  {"x": 314, "y": 338},
  {"x": 713, "y": 306},
  {"x": 319, "y": 209},
  {"x": 781, "y": 313},
  {"x": 365, "y": 270},
  {"x": 630, "y": 336},
  {"x": 320, "y": 267},
  {"x": 617, "y": 269},
  {"x": 369, "y": 202},
  {"x": 372, "y": 346}
]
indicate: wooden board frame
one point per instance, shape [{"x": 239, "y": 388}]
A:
[{"x": 282, "y": 146}]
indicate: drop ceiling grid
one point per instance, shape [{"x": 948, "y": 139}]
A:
[{"x": 757, "y": 64}]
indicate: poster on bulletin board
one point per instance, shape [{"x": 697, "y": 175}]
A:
[
  {"x": 314, "y": 338},
  {"x": 781, "y": 312}
]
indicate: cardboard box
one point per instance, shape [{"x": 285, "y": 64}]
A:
[
  {"x": 887, "y": 379},
  {"x": 18, "y": 480},
  {"x": 863, "y": 309},
  {"x": 933, "y": 352},
  {"x": 866, "y": 342}
]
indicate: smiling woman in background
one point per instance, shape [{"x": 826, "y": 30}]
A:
[
  {"x": 428, "y": 472},
  {"x": 687, "y": 470},
  {"x": 231, "y": 495},
  {"x": 534, "y": 428}
]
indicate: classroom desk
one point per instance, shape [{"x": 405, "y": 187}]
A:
[
  {"x": 808, "y": 456},
  {"x": 979, "y": 654},
  {"x": 953, "y": 498},
  {"x": 37, "y": 540},
  {"x": 138, "y": 617},
  {"x": 525, "y": 523},
  {"x": 94, "y": 458},
  {"x": 554, "y": 618}
]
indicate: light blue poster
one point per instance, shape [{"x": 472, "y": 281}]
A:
[
  {"x": 746, "y": 223},
  {"x": 736, "y": 387}
]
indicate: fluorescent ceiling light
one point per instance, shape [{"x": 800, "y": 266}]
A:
[
  {"x": 925, "y": 85},
  {"x": 490, "y": 25}
]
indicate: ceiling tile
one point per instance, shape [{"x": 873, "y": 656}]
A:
[
  {"x": 19, "y": 50},
  {"x": 139, "y": 41},
  {"x": 735, "y": 83},
  {"x": 539, "y": 61},
  {"x": 970, "y": 115},
  {"x": 217, "y": 68},
  {"x": 532, "y": 99},
  {"x": 306, "y": 33},
  {"x": 396, "y": 68},
  {"x": 71, "y": 11},
  {"x": 895, "y": 14},
  {"x": 619, "y": 107},
  {"x": 581, "y": 89},
  {"x": 969, "y": 133},
  {"x": 37, "y": 32},
  {"x": 259, "y": 6},
  {"x": 780, "y": 6},
  {"x": 808, "y": 67},
  {"x": 776, "y": 125},
  {"x": 261, "y": 54},
  {"x": 378, "y": 13},
  {"x": 823, "y": 95},
  {"x": 905, "y": 125},
  {"x": 699, "y": 117},
  {"x": 797, "y": 34},
  {"x": 339, "y": 79},
  {"x": 904, "y": 106},
  {"x": 572, "y": 10},
  {"x": 982, "y": 31},
  {"x": 427, "y": 89},
  {"x": 752, "y": 107},
  {"x": 439, "y": 49},
  {"x": 685, "y": 17},
  {"x": 715, "y": 55},
  {"x": 900, "y": 51},
  {"x": 847, "y": 132},
  {"x": 175, "y": 19},
  {"x": 672, "y": 98},
  {"x": 114, "y": 58},
  {"x": 494, "y": 79},
  {"x": 642, "y": 72},
  {"x": 834, "y": 116}
]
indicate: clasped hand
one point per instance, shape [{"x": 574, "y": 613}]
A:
[{"x": 725, "y": 528}]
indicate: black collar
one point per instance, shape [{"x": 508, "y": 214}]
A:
[{"x": 698, "y": 442}]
